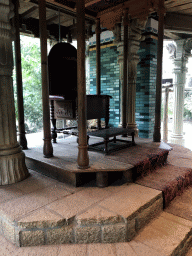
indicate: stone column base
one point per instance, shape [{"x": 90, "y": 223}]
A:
[
  {"x": 179, "y": 141},
  {"x": 176, "y": 136},
  {"x": 134, "y": 127},
  {"x": 13, "y": 168}
]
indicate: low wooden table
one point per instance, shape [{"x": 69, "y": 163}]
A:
[{"x": 117, "y": 144}]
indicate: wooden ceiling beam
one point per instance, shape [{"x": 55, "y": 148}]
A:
[
  {"x": 91, "y": 2},
  {"x": 178, "y": 22},
  {"x": 171, "y": 35},
  {"x": 53, "y": 18},
  {"x": 176, "y": 3},
  {"x": 137, "y": 9},
  {"x": 29, "y": 12},
  {"x": 181, "y": 7}
]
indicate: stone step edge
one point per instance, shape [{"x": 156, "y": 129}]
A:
[
  {"x": 182, "y": 246},
  {"x": 123, "y": 230},
  {"x": 142, "y": 168}
]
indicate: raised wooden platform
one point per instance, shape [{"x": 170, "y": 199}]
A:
[{"x": 103, "y": 169}]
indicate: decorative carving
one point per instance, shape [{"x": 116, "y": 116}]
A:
[
  {"x": 12, "y": 159},
  {"x": 117, "y": 33},
  {"x": 187, "y": 46},
  {"x": 109, "y": 19},
  {"x": 136, "y": 28},
  {"x": 13, "y": 169},
  {"x": 171, "y": 50},
  {"x": 180, "y": 69}
]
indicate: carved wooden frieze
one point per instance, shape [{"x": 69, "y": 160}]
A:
[{"x": 136, "y": 9}]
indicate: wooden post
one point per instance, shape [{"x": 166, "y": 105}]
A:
[
  {"x": 165, "y": 116},
  {"x": 21, "y": 120},
  {"x": 98, "y": 73},
  {"x": 157, "y": 127},
  {"x": 83, "y": 158},
  {"x": 47, "y": 148},
  {"x": 125, "y": 56}
]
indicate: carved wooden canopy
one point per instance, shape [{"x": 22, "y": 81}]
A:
[{"x": 110, "y": 12}]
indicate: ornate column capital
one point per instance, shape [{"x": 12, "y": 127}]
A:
[
  {"x": 136, "y": 28},
  {"x": 181, "y": 57}
]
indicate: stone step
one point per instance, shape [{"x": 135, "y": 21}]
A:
[
  {"x": 167, "y": 234},
  {"x": 171, "y": 180},
  {"x": 91, "y": 215}
]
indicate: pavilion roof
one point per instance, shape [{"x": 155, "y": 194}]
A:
[{"x": 177, "y": 19}]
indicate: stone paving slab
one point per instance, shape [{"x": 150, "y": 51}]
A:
[
  {"x": 54, "y": 212},
  {"x": 181, "y": 206},
  {"x": 170, "y": 234},
  {"x": 176, "y": 231}
]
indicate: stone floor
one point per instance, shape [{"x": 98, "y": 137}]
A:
[{"x": 32, "y": 212}]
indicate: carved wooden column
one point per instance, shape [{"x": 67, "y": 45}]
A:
[
  {"x": 120, "y": 47},
  {"x": 21, "y": 120},
  {"x": 125, "y": 57},
  {"x": 135, "y": 36},
  {"x": 98, "y": 64},
  {"x": 157, "y": 127},
  {"x": 83, "y": 158},
  {"x": 12, "y": 159},
  {"x": 165, "y": 114},
  {"x": 47, "y": 148}
]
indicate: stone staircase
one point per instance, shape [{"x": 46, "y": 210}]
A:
[{"x": 133, "y": 215}]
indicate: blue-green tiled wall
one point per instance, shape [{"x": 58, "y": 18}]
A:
[
  {"x": 146, "y": 87},
  {"x": 109, "y": 79}
]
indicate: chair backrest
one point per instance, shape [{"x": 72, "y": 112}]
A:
[{"x": 62, "y": 69}]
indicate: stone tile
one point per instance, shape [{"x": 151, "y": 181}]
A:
[
  {"x": 7, "y": 248},
  {"x": 69, "y": 206},
  {"x": 17, "y": 208},
  {"x": 73, "y": 250},
  {"x": 55, "y": 191},
  {"x": 124, "y": 249},
  {"x": 189, "y": 253},
  {"x": 101, "y": 249},
  {"x": 114, "y": 233},
  {"x": 98, "y": 215},
  {"x": 129, "y": 200},
  {"x": 149, "y": 213},
  {"x": 131, "y": 229},
  {"x": 163, "y": 234},
  {"x": 1, "y": 228},
  {"x": 142, "y": 249},
  {"x": 41, "y": 218},
  {"x": 8, "y": 231},
  {"x": 9, "y": 192},
  {"x": 32, "y": 238},
  {"x": 34, "y": 182},
  {"x": 91, "y": 234},
  {"x": 180, "y": 206},
  {"x": 37, "y": 251},
  {"x": 60, "y": 235}
]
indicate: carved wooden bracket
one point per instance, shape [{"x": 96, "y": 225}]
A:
[{"x": 136, "y": 8}]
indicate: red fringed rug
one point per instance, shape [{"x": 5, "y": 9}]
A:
[
  {"x": 144, "y": 159},
  {"x": 170, "y": 179},
  {"x": 149, "y": 170}
]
